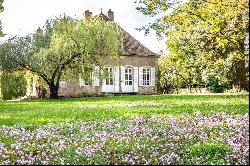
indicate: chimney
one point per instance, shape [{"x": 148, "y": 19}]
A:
[
  {"x": 39, "y": 30},
  {"x": 87, "y": 14},
  {"x": 111, "y": 15}
]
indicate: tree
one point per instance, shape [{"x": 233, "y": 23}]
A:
[
  {"x": 212, "y": 29},
  {"x": 63, "y": 49},
  {"x": 172, "y": 75}
]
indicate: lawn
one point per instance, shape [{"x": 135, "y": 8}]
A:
[{"x": 149, "y": 129}]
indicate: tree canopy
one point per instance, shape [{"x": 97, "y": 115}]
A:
[
  {"x": 209, "y": 35},
  {"x": 65, "y": 47}
]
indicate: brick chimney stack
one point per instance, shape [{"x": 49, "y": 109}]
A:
[
  {"x": 88, "y": 14},
  {"x": 39, "y": 30},
  {"x": 111, "y": 15}
]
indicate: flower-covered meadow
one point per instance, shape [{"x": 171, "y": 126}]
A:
[{"x": 218, "y": 138}]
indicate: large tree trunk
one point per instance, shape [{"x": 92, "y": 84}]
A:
[
  {"x": 53, "y": 91},
  {"x": 240, "y": 81},
  {"x": 190, "y": 88}
]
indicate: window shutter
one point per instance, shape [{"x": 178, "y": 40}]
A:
[
  {"x": 96, "y": 76},
  {"x": 152, "y": 76},
  {"x": 123, "y": 78},
  {"x": 81, "y": 81},
  {"x": 135, "y": 79},
  {"x": 103, "y": 80},
  {"x": 116, "y": 74},
  {"x": 140, "y": 76}
]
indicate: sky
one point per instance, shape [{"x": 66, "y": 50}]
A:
[{"x": 21, "y": 17}]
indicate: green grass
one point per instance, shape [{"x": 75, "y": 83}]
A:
[
  {"x": 209, "y": 149},
  {"x": 39, "y": 112}
]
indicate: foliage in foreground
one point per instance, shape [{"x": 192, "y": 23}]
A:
[{"x": 216, "y": 139}]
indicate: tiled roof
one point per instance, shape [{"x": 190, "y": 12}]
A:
[{"x": 132, "y": 46}]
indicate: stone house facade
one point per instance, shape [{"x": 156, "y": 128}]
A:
[{"x": 135, "y": 72}]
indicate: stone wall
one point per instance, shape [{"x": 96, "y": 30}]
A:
[
  {"x": 138, "y": 61},
  {"x": 147, "y": 90},
  {"x": 73, "y": 89}
]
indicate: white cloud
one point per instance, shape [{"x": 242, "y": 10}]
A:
[{"x": 23, "y": 17}]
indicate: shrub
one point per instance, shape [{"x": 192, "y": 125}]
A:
[
  {"x": 13, "y": 85},
  {"x": 215, "y": 86}
]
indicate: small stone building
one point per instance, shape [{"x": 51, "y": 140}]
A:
[{"x": 135, "y": 72}]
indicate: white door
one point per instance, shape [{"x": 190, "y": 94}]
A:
[
  {"x": 129, "y": 83},
  {"x": 108, "y": 83},
  {"x": 135, "y": 79}
]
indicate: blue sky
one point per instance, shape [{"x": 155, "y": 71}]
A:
[{"x": 21, "y": 17}]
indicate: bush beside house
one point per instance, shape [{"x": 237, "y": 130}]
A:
[{"x": 12, "y": 85}]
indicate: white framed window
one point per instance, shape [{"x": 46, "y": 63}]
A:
[
  {"x": 62, "y": 84},
  {"x": 128, "y": 76},
  {"x": 146, "y": 76},
  {"x": 110, "y": 76},
  {"x": 81, "y": 82}
]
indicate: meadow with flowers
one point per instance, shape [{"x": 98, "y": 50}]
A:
[{"x": 129, "y": 130}]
